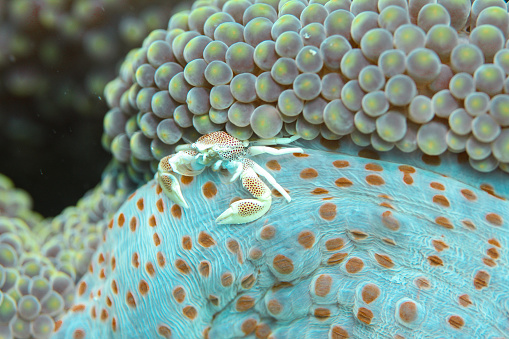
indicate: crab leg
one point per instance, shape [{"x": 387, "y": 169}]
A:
[
  {"x": 235, "y": 167},
  {"x": 259, "y": 170},
  {"x": 274, "y": 141},
  {"x": 248, "y": 210},
  {"x": 255, "y": 150},
  {"x": 169, "y": 183},
  {"x": 185, "y": 147}
]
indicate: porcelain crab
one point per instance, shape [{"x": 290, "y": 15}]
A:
[{"x": 220, "y": 150}]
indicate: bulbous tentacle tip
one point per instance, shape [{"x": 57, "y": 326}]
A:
[{"x": 244, "y": 211}]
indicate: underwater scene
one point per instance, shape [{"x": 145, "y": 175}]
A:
[{"x": 263, "y": 169}]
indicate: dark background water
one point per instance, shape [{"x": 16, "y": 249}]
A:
[
  {"x": 56, "y": 161},
  {"x": 52, "y": 75}
]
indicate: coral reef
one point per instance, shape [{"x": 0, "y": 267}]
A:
[
  {"x": 393, "y": 231},
  {"x": 366, "y": 249}
]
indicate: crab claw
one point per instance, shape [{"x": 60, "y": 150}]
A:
[
  {"x": 244, "y": 211},
  {"x": 171, "y": 188},
  {"x": 247, "y": 210}
]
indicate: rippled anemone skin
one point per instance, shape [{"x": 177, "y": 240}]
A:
[
  {"x": 390, "y": 233},
  {"x": 366, "y": 249}
]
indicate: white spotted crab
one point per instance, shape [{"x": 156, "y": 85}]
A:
[{"x": 220, "y": 150}]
